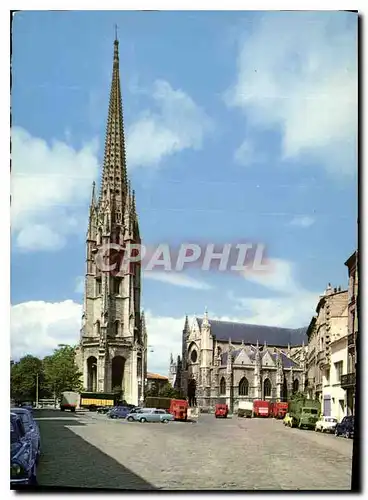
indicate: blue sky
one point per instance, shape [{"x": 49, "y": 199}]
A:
[{"x": 239, "y": 127}]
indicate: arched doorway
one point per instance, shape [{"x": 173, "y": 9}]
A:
[
  {"x": 92, "y": 374},
  {"x": 267, "y": 388},
  {"x": 296, "y": 385},
  {"x": 117, "y": 374},
  {"x": 192, "y": 386}
]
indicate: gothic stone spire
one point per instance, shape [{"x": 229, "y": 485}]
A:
[{"x": 114, "y": 174}]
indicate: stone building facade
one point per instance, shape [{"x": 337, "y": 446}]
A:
[
  {"x": 326, "y": 328},
  {"x": 348, "y": 378},
  {"x": 232, "y": 362},
  {"x": 112, "y": 353}
]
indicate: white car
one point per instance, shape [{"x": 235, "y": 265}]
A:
[{"x": 326, "y": 424}]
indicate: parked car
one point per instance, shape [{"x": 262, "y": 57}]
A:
[
  {"x": 23, "y": 455},
  {"x": 326, "y": 424},
  {"x": 104, "y": 409},
  {"x": 150, "y": 415},
  {"x": 31, "y": 428},
  {"x": 288, "y": 420},
  {"x": 118, "y": 412},
  {"x": 345, "y": 427}
]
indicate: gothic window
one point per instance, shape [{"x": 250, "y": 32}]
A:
[
  {"x": 222, "y": 386},
  {"x": 296, "y": 385},
  {"x": 97, "y": 326},
  {"x": 116, "y": 328},
  {"x": 116, "y": 286},
  {"x": 267, "y": 388},
  {"x": 99, "y": 237},
  {"x": 98, "y": 286},
  {"x": 243, "y": 387},
  {"x": 194, "y": 356},
  {"x": 219, "y": 351}
]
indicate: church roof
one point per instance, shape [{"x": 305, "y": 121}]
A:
[
  {"x": 285, "y": 360},
  {"x": 249, "y": 334}
]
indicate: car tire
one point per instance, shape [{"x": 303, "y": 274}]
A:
[
  {"x": 336, "y": 434},
  {"x": 130, "y": 419},
  {"x": 164, "y": 421},
  {"x": 347, "y": 435},
  {"x": 142, "y": 420}
]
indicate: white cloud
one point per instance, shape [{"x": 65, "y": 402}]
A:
[
  {"x": 37, "y": 327},
  {"x": 177, "y": 279},
  {"x": 51, "y": 184},
  {"x": 290, "y": 305},
  {"x": 178, "y": 124},
  {"x": 247, "y": 154},
  {"x": 298, "y": 71},
  {"x": 278, "y": 276},
  {"x": 302, "y": 221},
  {"x": 164, "y": 335}
]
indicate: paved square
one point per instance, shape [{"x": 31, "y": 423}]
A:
[{"x": 238, "y": 454}]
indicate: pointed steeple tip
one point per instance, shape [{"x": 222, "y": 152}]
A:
[{"x": 116, "y": 34}]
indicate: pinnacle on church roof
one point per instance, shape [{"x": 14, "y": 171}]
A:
[{"x": 114, "y": 174}]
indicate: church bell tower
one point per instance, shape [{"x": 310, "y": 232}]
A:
[{"x": 112, "y": 351}]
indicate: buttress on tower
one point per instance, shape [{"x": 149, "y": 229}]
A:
[{"x": 112, "y": 352}]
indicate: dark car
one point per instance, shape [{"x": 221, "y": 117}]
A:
[
  {"x": 23, "y": 456},
  {"x": 104, "y": 409},
  {"x": 31, "y": 428},
  {"x": 119, "y": 412},
  {"x": 345, "y": 427}
]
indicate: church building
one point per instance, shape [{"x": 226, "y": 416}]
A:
[
  {"x": 228, "y": 362},
  {"x": 112, "y": 353}
]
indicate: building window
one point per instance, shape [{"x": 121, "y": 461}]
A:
[
  {"x": 267, "y": 388},
  {"x": 193, "y": 356},
  {"x": 296, "y": 385},
  {"x": 243, "y": 387},
  {"x": 98, "y": 286},
  {"x": 98, "y": 327},
  {"x": 116, "y": 286},
  {"x": 222, "y": 387},
  {"x": 327, "y": 375},
  {"x": 338, "y": 369},
  {"x": 116, "y": 328}
]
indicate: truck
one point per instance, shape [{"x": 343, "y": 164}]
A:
[
  {"x": 245, "y": 409},
  {"x": 280, "y": 409},
  {"x": 304, "y": 413},
  {"x": 261, "y": 408},
  {"x": 95, "y": 400},
  {"x": 177, "y": 407},
  {"x": 69, "y": 401}
]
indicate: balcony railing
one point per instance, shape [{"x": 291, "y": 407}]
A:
[{"x": 348, "y": 380}]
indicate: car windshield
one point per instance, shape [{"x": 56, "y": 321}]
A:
[{"x": 333, "y": 420}]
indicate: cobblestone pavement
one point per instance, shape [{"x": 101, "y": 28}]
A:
[{"x": 231, "y": 454}]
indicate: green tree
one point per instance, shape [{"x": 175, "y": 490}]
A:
[
  {"x": 167, "y": 391},
  {"x": 61, "y": 372},
  {"x": 23, "y": 379}
]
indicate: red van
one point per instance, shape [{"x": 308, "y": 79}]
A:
[
  {"x": 179, "y": 409},
  {"x": 280, "y": 409},
  {"x": 261, "y": 408},
  {"x": 221, "y": 410}
]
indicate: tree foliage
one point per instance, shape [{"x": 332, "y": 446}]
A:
[
  {"x": 23, "y": 378},
  {"x": 167, "y": 391},
  {"x": 60, "y": 371},
  {"x": 55, "y": 374}
]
